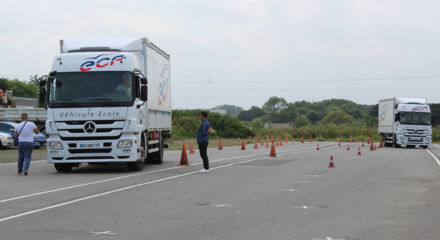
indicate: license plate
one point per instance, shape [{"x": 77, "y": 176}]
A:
[{"x": 89, "y": 145}]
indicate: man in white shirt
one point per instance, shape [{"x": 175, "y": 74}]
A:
[{"x": 25, "y": 132}]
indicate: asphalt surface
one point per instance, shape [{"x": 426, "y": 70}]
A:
[{"x": 383, "y": 194}]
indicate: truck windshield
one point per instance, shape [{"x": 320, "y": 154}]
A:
[
  {"x": 415, "y": 118},
  {"x": 85, "y": 89}
]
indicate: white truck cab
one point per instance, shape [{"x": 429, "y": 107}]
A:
[
  {"x": 108, "y": 100},
  {"x": 405, "y": 122}
]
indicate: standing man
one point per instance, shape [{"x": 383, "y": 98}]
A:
[
  {"x": 203, "y": 140},
  {"x": 25, "y": 133}
]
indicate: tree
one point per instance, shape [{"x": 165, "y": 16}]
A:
[
  {"x": 274, "y": 105},
  {"x": 230, "y": 109},
  {"x": 257, "y": 124},
  {"x": 337, "y": 117},
  {"x": 301, "y": 121},
  {"x": 251, "y": 114},
  {"x": 19, "y": 88}
]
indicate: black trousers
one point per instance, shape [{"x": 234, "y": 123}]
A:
[{"x": 203, "y": 148}]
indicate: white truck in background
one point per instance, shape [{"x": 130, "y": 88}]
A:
[
  {"x": 405, "y": 121},
  {"x": 108, "y": 100}
]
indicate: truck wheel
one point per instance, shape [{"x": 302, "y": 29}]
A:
[
  {"x": 135, "y": 166},
  {"x": 395, "y": 142},
  {"x": 157, "y": 157},
  {"x": 63, "y": 167}
]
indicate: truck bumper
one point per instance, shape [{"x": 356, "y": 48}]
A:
[
  {"x": 406, "y": 140},
  {"x": 92, "y": 152}
]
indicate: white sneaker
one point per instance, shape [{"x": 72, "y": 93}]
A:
[{"x": 204, "y": 170}]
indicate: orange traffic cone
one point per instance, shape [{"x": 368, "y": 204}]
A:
[
  {"x": 339, "y": 142},
  {"x": 287, "y": 140},
  {"x": 184, "y": 157},
  {"x": 256, "y": 144},
  {"x": 359, "y": 151},
  {"x": 331, "y": 164},
  {"x": 351, "y": 139},
  {"x": 371, "y": 146},
  {"x": 243, "y": 146},
  {"x": 302, "y": 139},
  {"x": 272, "y": 151},
  {"x": 348, "y": 147},
  {"x": 281, "y": 141},
  {"x": 317, "y": 147},
  {"x": 191, "y": 148},
  {"x": 220, "y": 145}
]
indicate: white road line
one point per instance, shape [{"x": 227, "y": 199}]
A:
[
  {"x": 15, "y": 163},
  {"x": 123, "y": 189},
  {"x": 135, "y": 175},
  {"x": 114, "y": 191},
  {"x": 433, "y": 156},
  {"x": 102, "y": 233}
]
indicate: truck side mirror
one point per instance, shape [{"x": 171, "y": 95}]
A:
[
  {"x": 144, "y": 93},
  {"x": 42, "y": 99},
  {"x": 397, "y": 118},
  {"x": 42, "y": 96}
]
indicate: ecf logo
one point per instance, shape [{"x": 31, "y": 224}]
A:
[
  {"x": 100, "y": 61},
  {"x": 419, "y": 108}
]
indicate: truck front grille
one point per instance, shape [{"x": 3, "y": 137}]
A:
[
  {"x": 100, "y": 150},
  {"x": 90, "y": 138},
  {"x": 415, "y": 132}
]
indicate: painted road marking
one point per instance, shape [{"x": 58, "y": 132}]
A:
[
  {"x": 122, "y": 189},
  {"x": 117, "y": 190},
  {"x": 223, "y": 205},
  {"x": 433, "y": 156},
  {"x": 135, "y": 175},
  {"x": 303, "y": 182},
  {"x": 312, "y": 175},
  {"x": 329, "y": 238},
  {"x": 305, "y": 207},
  {"x": 289, "y": 190},
  {"x": 102, "y": 233}
]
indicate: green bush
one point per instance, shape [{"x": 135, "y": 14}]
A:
[{"x": 186, "y": 124}]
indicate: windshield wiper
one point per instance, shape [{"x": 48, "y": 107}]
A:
[
  {"x": 100, "y": 99},
  {"x": 62, "y": 99}
]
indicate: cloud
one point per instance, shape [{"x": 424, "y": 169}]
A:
[{"x": 244, "y": 8}]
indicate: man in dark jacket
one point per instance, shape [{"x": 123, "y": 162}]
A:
[{"x": 203, "y": 140}]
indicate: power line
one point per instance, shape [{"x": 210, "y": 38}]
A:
[{"x": 312, "y": 80}]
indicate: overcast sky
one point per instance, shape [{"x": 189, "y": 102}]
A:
[{"x": 241, "y": 52}]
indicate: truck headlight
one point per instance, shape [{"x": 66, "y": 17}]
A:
[
  {"x": 124, "y": 144},
  {"x": 56, "y": 145}
]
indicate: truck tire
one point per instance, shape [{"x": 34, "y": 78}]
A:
[
  {"x": 395, "y": 142},
  {"x": 63, "y": 167},
  {"x": 157, "y": 157},
  {"x": 135, "y": 166}
]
